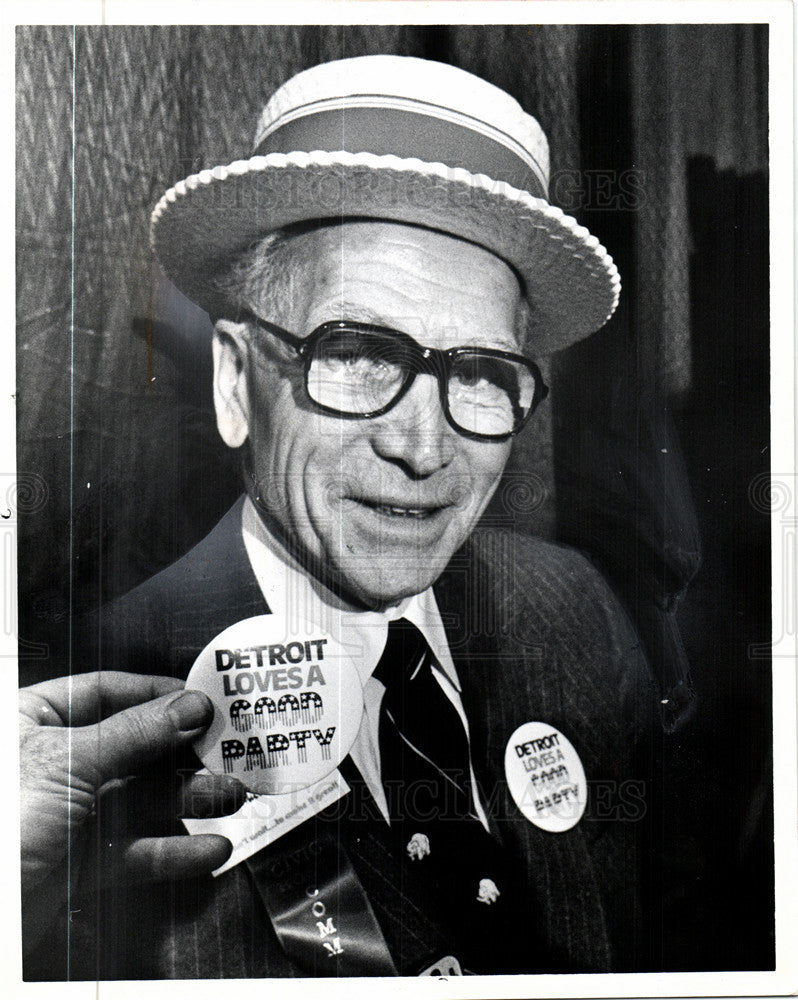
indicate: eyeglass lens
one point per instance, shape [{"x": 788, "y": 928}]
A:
[{"x": 360, "y": 372}]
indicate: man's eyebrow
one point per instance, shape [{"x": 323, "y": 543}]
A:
[{"x": 358, "y": 313}]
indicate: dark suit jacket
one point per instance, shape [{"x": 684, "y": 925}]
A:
[{"x": 535, "y": 634}]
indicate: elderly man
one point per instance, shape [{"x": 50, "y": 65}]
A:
[{"x": 380, "y": 273}]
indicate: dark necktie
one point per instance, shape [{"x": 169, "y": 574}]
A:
[
  {"x": 423, "y": 745},
  {"x": 450, "y": 862}
]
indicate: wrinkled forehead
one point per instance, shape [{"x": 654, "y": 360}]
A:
[{"x": 418, "y": 279}]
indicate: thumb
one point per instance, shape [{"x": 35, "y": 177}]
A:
[{"x": 123, "y": 743}]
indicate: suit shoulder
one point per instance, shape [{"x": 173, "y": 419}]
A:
[
  {"x": 161, "y": 625},
  {"x": 548, "y": 574},
  {"x": 212, "y": 559},
  {"x": 558, "y": 600}
]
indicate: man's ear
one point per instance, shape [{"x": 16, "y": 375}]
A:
[{"x": 230, "y": 396}]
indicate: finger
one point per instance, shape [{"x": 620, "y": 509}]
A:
[
  {"x": 82, "y": 699},
  {"x": 155, "y": 804},
  {"x": 204, "y": 796},
  {"x": 169, "y": 859},
  {"x": 129, "y": 740}
]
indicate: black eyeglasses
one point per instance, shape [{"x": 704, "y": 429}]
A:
[{"x": 358, "y": 370}]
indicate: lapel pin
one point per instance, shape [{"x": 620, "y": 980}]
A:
[
  {"x": 287, "y": 707},
  {"x": 488, "y": 891},
  {"x": 418, "y": 847},
  {"x": 545, "y": 777}
]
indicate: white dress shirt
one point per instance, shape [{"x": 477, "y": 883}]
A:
[{"x": 291, "y": 591}]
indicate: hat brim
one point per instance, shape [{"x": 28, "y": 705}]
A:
[{"x": 571, "y": 281}]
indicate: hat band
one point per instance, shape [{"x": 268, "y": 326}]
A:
[{"x": 407, "y": 134}]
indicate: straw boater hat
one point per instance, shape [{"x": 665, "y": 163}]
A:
[{"x": 403, "y": 139}]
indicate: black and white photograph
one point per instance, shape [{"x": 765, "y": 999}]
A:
[{"x": 398, "y": 502}]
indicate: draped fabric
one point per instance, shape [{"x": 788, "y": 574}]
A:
[
  {"x": 659, "y": 146},
  {"x": 707, "y": 98}
]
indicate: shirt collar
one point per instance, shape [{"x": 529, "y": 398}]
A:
[{"x": 288, "y": 588}]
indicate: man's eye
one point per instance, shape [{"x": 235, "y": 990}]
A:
[
  {"x": 343, "y": 357},
  {"x": 483, "y": 373},
  {"x": 342, "y": 351},
  {"x": 470, "y": 377},
  {"x": 372, "y": 354}
]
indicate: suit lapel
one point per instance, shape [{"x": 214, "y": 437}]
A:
[
  {"x": 476, "y": 654},
  {"x": 505, "y": 684}
]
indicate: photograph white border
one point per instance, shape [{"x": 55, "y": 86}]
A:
[{"x": 779, "y": 14}]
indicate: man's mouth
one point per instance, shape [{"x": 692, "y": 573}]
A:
[
  {"x": 417, "y": 512},
  {"x": 389, "y": 509}
]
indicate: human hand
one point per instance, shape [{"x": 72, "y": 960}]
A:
[{"x": 78, "y": 737}]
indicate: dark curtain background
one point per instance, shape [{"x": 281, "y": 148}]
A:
[{"x": 658, "y": 425}]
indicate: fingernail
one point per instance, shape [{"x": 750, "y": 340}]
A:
[
  {"x": 190, "y": 710},
  {"x": 235, "y": 788}
]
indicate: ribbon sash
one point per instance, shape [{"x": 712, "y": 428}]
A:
[{"x": 319, "y": 908}]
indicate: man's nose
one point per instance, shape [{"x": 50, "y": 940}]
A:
[{"x": 415, "y": 433}]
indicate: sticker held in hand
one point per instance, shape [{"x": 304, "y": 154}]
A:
[
  {"x": 286, "y": 709},
  {"x": 545, "y": 777}
]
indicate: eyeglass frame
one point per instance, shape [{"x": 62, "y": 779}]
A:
[{"x": 424, "y": 360}]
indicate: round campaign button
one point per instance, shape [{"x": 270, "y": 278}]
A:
[
  {"x": 545, "y": 777},
  {"x": 287, "y": 708}
]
